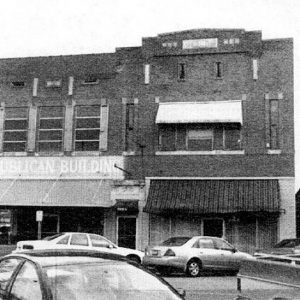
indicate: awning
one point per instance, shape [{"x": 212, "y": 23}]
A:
[
  {"x": 200, "y": 112},
  {"x": 55, "y": 193},
  {"x": 127, "y": 206},
  {"x": 213, "y": 196}
]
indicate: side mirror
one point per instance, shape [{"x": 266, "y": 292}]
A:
[{"x": 234, "y": 250}]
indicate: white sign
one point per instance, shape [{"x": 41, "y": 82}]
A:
[
  {"x": 104, "y": 167},
  {"x": 39, "y": 215},
  {"x": 200, "y": 43}
]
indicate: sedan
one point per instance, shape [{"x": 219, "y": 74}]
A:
[
  {"x": 81, "y": 241},
  {"x": 78, "y": 275},
  {"x": 286, "y": 246},
  {"x": 194, "y": 255}
]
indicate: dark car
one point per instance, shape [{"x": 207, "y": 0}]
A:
[
  {"x": 286, "y": 246},
  {"x": 78, "y": 275}
]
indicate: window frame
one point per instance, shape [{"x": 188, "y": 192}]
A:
[
  {"x": 62, "y": 129},
  {"x": 16, "y": 130},
  {"x": 75, "y": 129}
]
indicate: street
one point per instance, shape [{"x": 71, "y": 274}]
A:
[{"x": 225, "y": 288}]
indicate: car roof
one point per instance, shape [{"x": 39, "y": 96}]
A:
[{"x": 66, "y": 256}]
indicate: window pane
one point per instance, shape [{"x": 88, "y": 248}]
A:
[
  {"x": 64, "y": 240},
  {"x": 87, "y": 146},
  {"x": 79, "y": 239},
  {"x": 200, "y": 145},
  {"x": 87, "y": 135},
  {"x": 98, "y": 241},
  {"x": 88, "y": 123},
  {"x": 15, "y": 136},
  {"x": 167, "y": 138},
  {"x": 51, "y": 111},
  {"x": 14, "y": 147},
  {"x": 26, "y": 285},
  {"x": 7, "y": 268},
  {"x": 274, "y": 137},
  {"x": 51, "y": 135},
  {"x": 51, "y": 123},
  {"x": 232, "y": 139},
  {"x": 50, "y": 146},
  {"x": 88, "y": 111},
  {"x": 15, "y": 124},
  {"x": 16, "y": 112}
]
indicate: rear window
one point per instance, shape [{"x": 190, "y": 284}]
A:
[
  {"x": 52, "y": 237},
  {"x": 175, "y": 241}
]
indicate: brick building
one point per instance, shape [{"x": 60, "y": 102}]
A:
[{"x": 191, "y": 133}]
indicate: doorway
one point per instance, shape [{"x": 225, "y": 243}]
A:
[
  {"x": 213, "y": 227},
  {"x": 127, "y": 231}
]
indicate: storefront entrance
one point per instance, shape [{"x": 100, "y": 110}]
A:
[
  {"x": 127, "y": 231},
  {"x": 213, "y": 227}
]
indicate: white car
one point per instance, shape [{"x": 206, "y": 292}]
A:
[{"x": 81, "y": 241}]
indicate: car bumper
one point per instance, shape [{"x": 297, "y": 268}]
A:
[{"x": 165, "y": 261}]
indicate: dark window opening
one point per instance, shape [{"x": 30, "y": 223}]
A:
[
  {"x": 18, "y": 83},
  {"x": 181, "y": 71},
  {"x": 274, "y": 124},
  {"x": 219, "y": 69},
  {"x": 90, "y": 80},
  {"x": 201, "y": 137}
]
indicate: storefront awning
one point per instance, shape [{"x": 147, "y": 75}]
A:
[
  {"x": 200, "y": 112},
  {"x": 213, "y": 196},
  {"x": 85, "y": 193}
]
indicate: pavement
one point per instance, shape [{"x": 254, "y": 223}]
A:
[{"x": 225, "y": 288}]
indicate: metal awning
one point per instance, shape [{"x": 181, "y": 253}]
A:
[
  {"x": 200, "y": 112},
  {"x": 59, "y": 192},
  {"x": 213, "y": 196}
]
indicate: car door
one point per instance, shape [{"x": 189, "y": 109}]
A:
[
  {"x": 205, "y": 250},
  {"x": 99, "y": 243},
  {"x": 228, "y": 258},
  {"x": 26, "y": 285},
  {"x": 7, "y": 268}
]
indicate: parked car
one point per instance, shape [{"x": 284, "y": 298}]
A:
[
  {"x": 78, "y": 275},
  {"x": 194, "y": 255},
  {"x": 78, "y": 240},
  {"x": 286, "y": 246}
]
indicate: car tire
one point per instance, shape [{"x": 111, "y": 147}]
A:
[
  {"x": 193, "y": 268},
  {"x": 134, "y": 258}
]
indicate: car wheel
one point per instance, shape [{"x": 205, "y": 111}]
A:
[
  {"x": 134, "y": 258},
  {"x": 193, "y": 268}
]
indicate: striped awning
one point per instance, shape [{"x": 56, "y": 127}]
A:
[
  {"x": 79, "y": 193},
  {"x": 213, "y": 196}
]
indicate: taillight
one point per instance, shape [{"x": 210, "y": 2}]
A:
[{"x": 169, "y": 252}]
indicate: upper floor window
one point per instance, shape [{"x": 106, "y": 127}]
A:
[
  {"x": 218, "y": 69},
  {"x": 200, "y": 43},
  {"x": 274, "y": 124},
  {"x": 87, "y": 128},
  {"x": 169, "y": 44},
  {"x": 53, "y": 83},
  {"x": 51, "y": 128},
  {"x": 201, "y": 137},
  {"x": 15, "y": 129},
  {"x": 181, "y": 71}
]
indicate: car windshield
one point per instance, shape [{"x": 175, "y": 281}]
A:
[
  {"x": 105, "y": 281},
  {"x": 290, "y": 243},
  {"x": 175, "y": 241},
  {"x": 52, "y": 237}
]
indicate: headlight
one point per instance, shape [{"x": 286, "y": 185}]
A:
[{"x": 170, "y": 252}]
